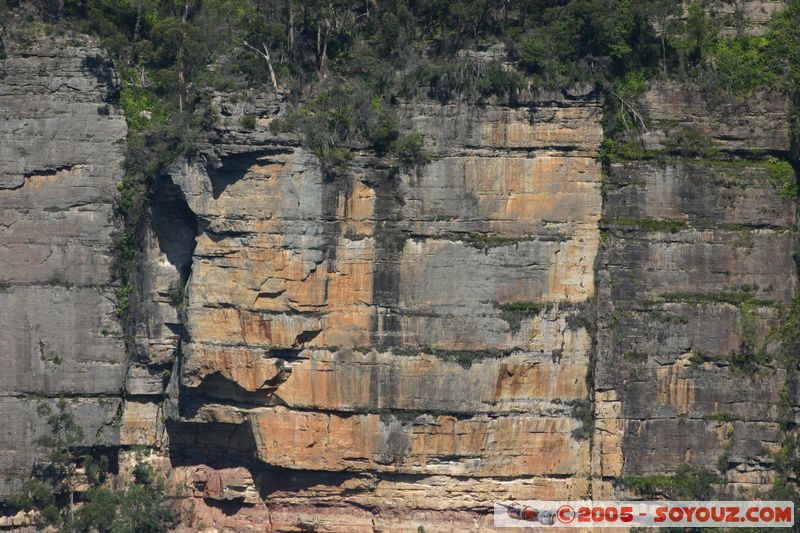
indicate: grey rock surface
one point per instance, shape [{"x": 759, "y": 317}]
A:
[{"x": 61, "y": 156}]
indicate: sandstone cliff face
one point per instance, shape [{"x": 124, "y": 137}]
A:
[
  {"x": 61, "y": 158},
  {"x": 695, "y": 268},
  {"x": 390, "y": 333},
  {"x": 390, "y": 348},
  {"x": 385, "y": 348}
]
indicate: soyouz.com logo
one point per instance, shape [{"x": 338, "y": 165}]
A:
[{"x": 588, "y": 514}]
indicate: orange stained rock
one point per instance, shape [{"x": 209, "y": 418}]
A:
[
  {"x": 248, "y": 368},
  {"x": 504, "y": 446},
  {"x": 512, "y": 130},
  {"x": 233, "y": 325},
  {"x": 674, "y": 388},
  {"x": 350, "y": 380}
]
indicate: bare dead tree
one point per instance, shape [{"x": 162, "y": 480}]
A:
[
  {"x": 264, "y": 52},
  {"x": 290, "y": 38},
  {"x": 630, "y": 108},
  {"x": 181, "y": 68}
]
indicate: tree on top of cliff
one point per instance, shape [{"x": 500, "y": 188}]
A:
[{"x": 172, "y": 55}]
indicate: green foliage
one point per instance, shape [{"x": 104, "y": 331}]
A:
[
  {"x": 176, "y": 290},
  {"x": 732, "y": 68},
  {"x": 692, "y": 36},
  {"x": 687, "y": 483},
  {"x": 740, "y": 66},
  {"x": 341, "y": 117},
  {"x": 783, "y": 47},
  {"x": 720, "y": 417},
  {"x": 466, "y": 79},
  {"x": 485, "y": 241},
  {"x": 514, "y": 313},
  {"x": 647, "y": 224},
  {"x": 632, "y": 85},
  {"x": 65, "y": 432},
  {"x": 131, "y": 192},
  {"x": 534, "y": 52},
  {"x": 126, "y": 252},
  {"x": 788, "y": 334},
  {"x": 123, "y": 297},
  {"x": 98, "y": 510},
  {"x": 584, "y": 40},
  {"x": 141, "y": 107},
  {"x": 347, "y": 63},
  {"x": 752, "y": 353},
  {"x": 411, "y": 150},
  {"x": 583, "y": 411},
  {"x": 729, "y": 297},
  {"x": 635, "y": 356},
  {"x": 724, "y": 459},
  {"x": 141, "y": 506},
  {"x": 613, "y": 150},
  {"x": 692, "y": 48},
  {"x": 59, "y": 474},
  {"x": 528, "y": 308},
  {"x": 348, "y": 116},
  {"x": 689, "y": 142},
  {"x": 782, "y": 176},
  {"x": 34, "y": 494},
  {"x": 248, "y": 121},
  {"x": 126, "y": 247},
  {"x": 465, "y": 358},
  {"x": 500, "y": 81}
]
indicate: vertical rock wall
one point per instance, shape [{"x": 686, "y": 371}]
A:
[
  {"x": 61, "y": 153},
  {"x": 394, "y": 333},
  {"x": 697, "y": 270},
  {"x": 385, "y": 348}
]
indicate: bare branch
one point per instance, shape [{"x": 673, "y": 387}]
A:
[
  {"x": 631, "y": 109},
  {"x": 265, "y": 55}
]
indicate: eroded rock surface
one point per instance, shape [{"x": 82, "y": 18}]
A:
[
  {"x": 384, "y": 348},
  {"x": 392, "y": 328},
  {"x": 696, "y": 274},
  {"x": 61, "y": 153}
]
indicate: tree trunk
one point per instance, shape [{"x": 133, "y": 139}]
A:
[
  {"x": 181, "y": 73},
  {"x": 138, "y": 22},
  {"x": 269, "y": 66},
  {"x": 180, "y": 86},
  {"x": 291, "y": 30},
  {"x": 324, "y": 57},
  {"x": 319, "y": 43},
  {"x": 267, "y": 58}
]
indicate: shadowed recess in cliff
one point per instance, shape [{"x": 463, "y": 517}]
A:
[
  {"x": 236, "y": 166},
  {"x": 166, "y": 233},
  {"x": 175, "y": 225},
  {"x": 218, "y": 387},
  {"x": 103, "y": 71},
  {"x": 272, "y": 480},
  {"x": 216, "y": 444}
]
